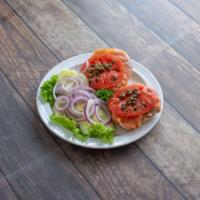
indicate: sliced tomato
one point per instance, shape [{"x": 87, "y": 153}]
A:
[
  {"x": 108, "y": 78},
  {"x": 144, "y": 102}
]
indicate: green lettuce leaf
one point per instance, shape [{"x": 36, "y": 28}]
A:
[
  {"x": 104, "y": 94},
  {"x": 102, "y": 132},
  {"x": 47, "y": 90},
  {"x": 69, "y": 124},
  {"x": 98, "y": 130}
]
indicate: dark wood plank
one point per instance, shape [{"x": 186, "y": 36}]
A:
[
  {"x": 172, "y": 70},
  {"x": 175, "y": 147},
  {"x": 139, "y": 164},
  {"x": 191, "y": 8},
  {"x": 158, "y": 138},
  {"x": 170, "y": 24},
  {"x": 73, "y": 29},
  {"x": 31, "y": 161},
  {"x": 6, "y": 192}
]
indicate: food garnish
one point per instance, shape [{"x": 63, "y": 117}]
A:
[{"x": 104, "y": 94}]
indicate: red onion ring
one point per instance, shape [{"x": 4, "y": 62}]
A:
[
  {"x": 61, "y": 103},
  {"x": 80, "y": 92},
  {"x": 76, "y": 90},
  {"x": 90, "y": 104},
  {"x": 69, "y": 79},
  {"x": 72, "y": 108},
  {"x": 106, "y": 112},
  {"x": 63, "y": 87}
]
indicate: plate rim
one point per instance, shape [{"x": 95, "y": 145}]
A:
[{"x": 103, "y": 145}]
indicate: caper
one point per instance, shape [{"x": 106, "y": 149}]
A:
[
  {"x": 123, "y": 107},
  {"x": 129, "y": 92},
  {"x": 134, "y": 99},
  {"x": 144, "y": 104},
  {"x": 122, "y": 95},
  {"x": 128, "y": 101},
  {"x": 135, "y": 95},
  {"x": 114, "y": 78}
]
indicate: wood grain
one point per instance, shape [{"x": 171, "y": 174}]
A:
[
  {"x": 171, "y": 69},
  {"x": 62, "y": 23},
  {"x": 175, "y": 147},
  {"x": 190, "y": 7},
  {"x": 30, "y": 160},
  {"x": 165, "y": 157},
  {"x": 140, "y": 166},
  {"x": 178, "y": 30},
  {"x": 6, "y": 192}
]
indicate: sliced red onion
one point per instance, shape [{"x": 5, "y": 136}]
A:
[
  {"x": 89, "y": 89},
  {"x": 105, "y": 109},
  {"x": 75, "y": 90},
  {"x": 62, "y": 103},
  {"x": 66, "y": 85},
  {"x": 80, "y": 92},
  {"x": 92, "y": 103},
  {"x": 85, "y": 88},
  {"x": 72, "y": 108},
  {"x": 72, "y": 83},
  {"x": 57, "y": 90}
]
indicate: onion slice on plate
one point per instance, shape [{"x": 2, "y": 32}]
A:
[
  {"x": 104, "y": 109},
  {"x": 68, "y": 84},
  {"x": 94, "y": 104},
  {"x": 72, "y": 107},
  {"x": 62, "y": 103}
]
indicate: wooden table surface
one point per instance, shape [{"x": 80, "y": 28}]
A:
[{"x": 162, "y": 35}]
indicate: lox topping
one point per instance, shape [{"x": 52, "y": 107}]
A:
[
  {"x": 107, "y": 69},
  {"x": 133, "y": 100}
]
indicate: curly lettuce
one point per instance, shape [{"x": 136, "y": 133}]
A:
[
  {"x": 69, "y": 124},
  {"x": 104, "y": 94},
  {"x": 104, "y": 133},
  {"x": 46, "y": 90},
  {"x": 100, "y": 131}
]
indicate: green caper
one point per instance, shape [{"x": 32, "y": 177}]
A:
[
  {"x": 135, "y": 91},
  {"x": 134, "y": 99},
  {"x": 123, "y": 107},
  {"x": 122, "y": 95},
  {"x": 129, "y": 92}
]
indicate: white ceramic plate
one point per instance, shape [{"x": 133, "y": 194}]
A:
[{"x": 123, "y": 137}]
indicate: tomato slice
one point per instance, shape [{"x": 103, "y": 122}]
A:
[
  {"x": 104, "y": 71},
  {"x": 133, "y": 100}
]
